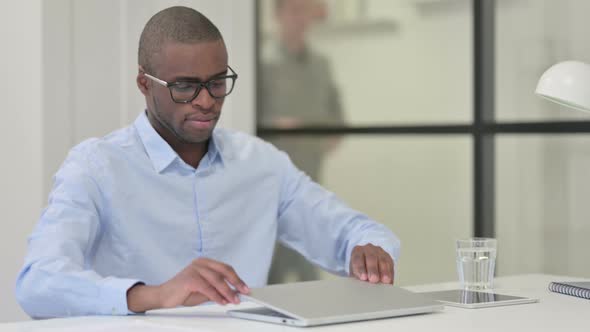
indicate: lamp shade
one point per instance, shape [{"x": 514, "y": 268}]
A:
[{"x": 567, "y": 83}]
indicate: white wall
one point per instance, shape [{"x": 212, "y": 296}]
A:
[
  {"x": 68, "y": 73},
  {"x": 20, "y": 141}
]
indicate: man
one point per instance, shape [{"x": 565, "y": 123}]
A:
[
  {"x": 170, "y": 212},
  {"x": 297, "y": 89}
]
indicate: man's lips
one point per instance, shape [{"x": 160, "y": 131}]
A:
[
  {"x": 200, "y": 119},
  {"x": 200, "y": 123}
]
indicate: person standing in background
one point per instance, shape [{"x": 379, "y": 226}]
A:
[{"x": 297, "y": 89}]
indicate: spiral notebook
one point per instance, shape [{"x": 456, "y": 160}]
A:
[{"x": 579, "y": 289}]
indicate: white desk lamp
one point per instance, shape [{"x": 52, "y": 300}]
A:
[{"x": 568, "y": 84}]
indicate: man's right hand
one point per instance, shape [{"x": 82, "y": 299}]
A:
[{"x": 203, "y": 280}]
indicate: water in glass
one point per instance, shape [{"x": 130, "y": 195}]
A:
[{"x": 476, "y": 267}]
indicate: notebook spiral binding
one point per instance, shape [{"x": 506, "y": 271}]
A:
[{"x": 569, "y": 290}]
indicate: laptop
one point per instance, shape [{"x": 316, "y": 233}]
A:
[{"x": 332, "y": 301}]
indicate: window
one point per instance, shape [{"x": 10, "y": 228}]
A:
[{"x": 429, "y": 106}]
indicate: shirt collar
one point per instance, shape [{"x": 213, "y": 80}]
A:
[{"x": 161, "y": 153}]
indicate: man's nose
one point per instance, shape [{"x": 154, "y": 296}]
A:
[{"x": 203, "y": 100}]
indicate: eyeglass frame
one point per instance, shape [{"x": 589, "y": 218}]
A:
[{"x": 200, "y": 85}]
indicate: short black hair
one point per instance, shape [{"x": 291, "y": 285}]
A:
[{"x": 176, "y": 24}]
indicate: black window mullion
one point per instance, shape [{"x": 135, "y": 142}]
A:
[{"x": 483, "y": 114}]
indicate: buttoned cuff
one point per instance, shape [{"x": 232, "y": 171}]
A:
[{"x": 113, "y": 295}]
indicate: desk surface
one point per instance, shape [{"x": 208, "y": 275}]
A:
[{"x": 554, "y": 312}]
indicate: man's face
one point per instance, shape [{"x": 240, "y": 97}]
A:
[{"x": 193, "y": 122}]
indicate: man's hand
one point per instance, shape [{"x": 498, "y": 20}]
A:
[
  {"x": 371, "y": 263},
  {"x": 203, "y": 280}
]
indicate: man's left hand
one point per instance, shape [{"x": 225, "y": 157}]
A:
[{"x": 371, "y": 263}]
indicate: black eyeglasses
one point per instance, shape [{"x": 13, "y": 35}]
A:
[{"x": 186, "y": 91}]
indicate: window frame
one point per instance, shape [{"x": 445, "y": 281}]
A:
[{"x": 483, "y": 130}]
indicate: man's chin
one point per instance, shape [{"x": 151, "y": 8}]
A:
[
  {"x": 196, "y": 138},
  {"x": 197, "y": 135}
]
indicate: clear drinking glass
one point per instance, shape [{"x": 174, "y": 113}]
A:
[{"x": 476, "y": 260}]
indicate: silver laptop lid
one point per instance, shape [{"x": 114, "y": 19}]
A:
[{"x": 341, "y": 299}]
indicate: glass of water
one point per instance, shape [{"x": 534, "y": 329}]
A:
[{"x": 476, "y": 260}]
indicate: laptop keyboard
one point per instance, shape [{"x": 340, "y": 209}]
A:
[{"x": 266, "y": 312}]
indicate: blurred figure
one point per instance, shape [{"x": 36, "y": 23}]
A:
[{"x": 297, "y": 90}]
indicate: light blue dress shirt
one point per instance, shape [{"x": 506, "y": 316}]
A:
[{"x": 126, "y": 208}]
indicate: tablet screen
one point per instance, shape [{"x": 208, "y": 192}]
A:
[
  {"x": 474, "y": 299},
  {"x": 469, "y": 297}
]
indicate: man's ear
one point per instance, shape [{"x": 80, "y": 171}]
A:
[{"x": 142, "y": 81}]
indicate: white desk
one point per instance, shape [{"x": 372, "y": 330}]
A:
[{"x": 555, "y": 312}]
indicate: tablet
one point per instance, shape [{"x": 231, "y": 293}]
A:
[{"x": 474, "y": 299}]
